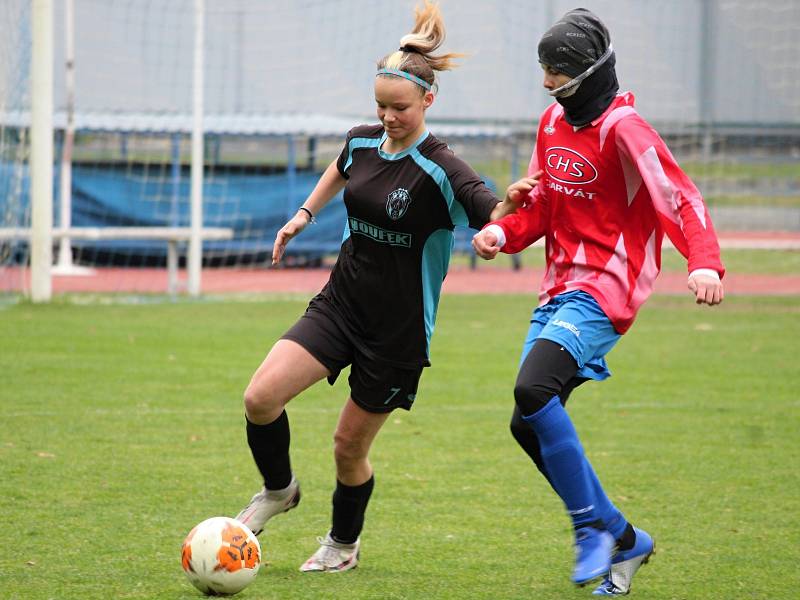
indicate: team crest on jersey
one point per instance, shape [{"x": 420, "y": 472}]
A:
[
  {"x": 567, "y": 166},
  {"x": 397, "y": 203}
]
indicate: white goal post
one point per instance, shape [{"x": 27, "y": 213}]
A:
[
  {"x": 41, "y": 160},
  {"x": 41, "y": 234}
]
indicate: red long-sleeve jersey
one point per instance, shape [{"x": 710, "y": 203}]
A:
[{"x": 609, "y": 193}]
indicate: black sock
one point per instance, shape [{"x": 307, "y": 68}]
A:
[
  {"x": 627, "y": 540},
  {"x": 597, "y": 524},
  {"x": 349, "y": 507},
  {"x": 270, "y": 447}
]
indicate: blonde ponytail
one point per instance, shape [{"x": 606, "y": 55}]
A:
[{"x": 415, "y": 55}]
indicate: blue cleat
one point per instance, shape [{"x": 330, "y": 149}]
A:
[
  {"x": 593, "y": 548},
  {"x": 625, "y": 564}
]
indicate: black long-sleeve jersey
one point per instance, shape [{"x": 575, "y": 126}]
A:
[{"x": 401, "y": 212}]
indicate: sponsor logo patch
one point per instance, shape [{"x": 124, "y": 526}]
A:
[
  {"x": 567, "y": 166},
  {"x": 383, "y": 236}
]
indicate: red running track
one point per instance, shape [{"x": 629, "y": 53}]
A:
[
  {"x": 486, "y": 279},
  {"x": 460, "y": 280}
]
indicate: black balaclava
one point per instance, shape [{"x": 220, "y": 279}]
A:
[{"x": 576, "y": 43}]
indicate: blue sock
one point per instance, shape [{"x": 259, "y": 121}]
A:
[
  {"x": 612, "y": 518},
  {"x": 566, "y": 464}
]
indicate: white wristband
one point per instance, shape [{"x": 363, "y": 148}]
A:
[
  {"x": 707, "y": 272},
  {"x": 498, "y": 231}
]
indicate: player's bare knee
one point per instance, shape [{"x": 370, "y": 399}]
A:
[
  {"x": 260, "y": 400},
  {"x": 348, "y": 449}
]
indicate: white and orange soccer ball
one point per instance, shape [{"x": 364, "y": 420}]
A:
[{"x": 221, "y": 556}]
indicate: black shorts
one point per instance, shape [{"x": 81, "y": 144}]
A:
[{"x": 375, "y": 385}]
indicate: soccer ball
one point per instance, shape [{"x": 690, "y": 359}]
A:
[{"x": 221, "y": 556}]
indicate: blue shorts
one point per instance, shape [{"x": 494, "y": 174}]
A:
[{"x": 575, "y": 321}]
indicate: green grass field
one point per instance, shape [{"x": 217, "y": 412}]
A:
[{"x": 122, "y": 427}]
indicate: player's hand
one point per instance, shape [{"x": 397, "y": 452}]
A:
[
  {"x": 516, "y": 195},
  {"x": 485, "y": 244},
  {"x": 518, "y": 191},
  {"x": 707, "y": 290},
  {"x": 295, "y": 225}
]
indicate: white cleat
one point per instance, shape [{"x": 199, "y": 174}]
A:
[
  {"x": 625, "y": 564},
  {"x": 268, "y": 503},
  {"x": 332, "y": 557}
]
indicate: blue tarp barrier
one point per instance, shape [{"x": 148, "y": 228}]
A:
[{"x": 254, "y": 203}]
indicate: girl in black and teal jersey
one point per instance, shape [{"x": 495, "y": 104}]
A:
[{"x": 404, "y": 191}]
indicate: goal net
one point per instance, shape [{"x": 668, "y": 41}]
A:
[{"x": 284, "y": 81}]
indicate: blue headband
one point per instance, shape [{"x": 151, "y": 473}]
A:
[{"x": 405, "y": 75}]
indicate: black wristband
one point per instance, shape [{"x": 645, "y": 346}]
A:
[{"x": 311, "y": 218}]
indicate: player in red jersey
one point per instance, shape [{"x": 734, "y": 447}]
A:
[{"x": 608, "y": 193}]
